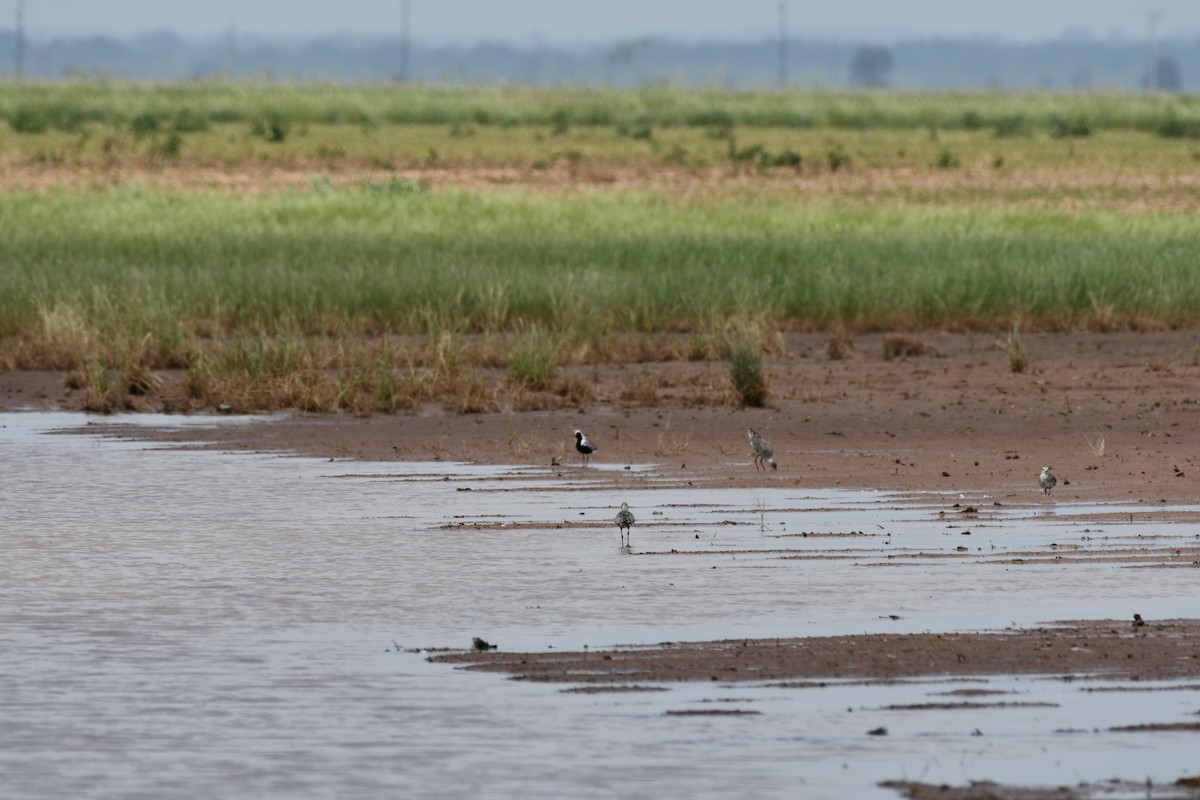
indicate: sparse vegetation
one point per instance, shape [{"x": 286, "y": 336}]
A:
[
  {"x": 746, "y": 373},
  {"x": 900, "y": 345},
  {"x": 641, "y": 390},
  {"x": 947, "y": 160},
  {"x": 839, "y": 346},
  {"x": 1018, "y": 356},
  {"x": 533, "y": 362}
]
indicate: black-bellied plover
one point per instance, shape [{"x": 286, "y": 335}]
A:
[
  {"x": 585, "y": 446},
  {"x": 1047, "y": 480},
  {"x": 624, "y": 522},
  {"x": 763, "y": 452}
]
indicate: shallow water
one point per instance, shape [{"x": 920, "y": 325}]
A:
[{"x": 199, "y": 624}]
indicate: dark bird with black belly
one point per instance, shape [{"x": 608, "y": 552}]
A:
[{"x": 585, "y": 446}]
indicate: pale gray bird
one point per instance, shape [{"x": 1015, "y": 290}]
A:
[
  {"x": 624, "y": 520},
  {"x": 1047, "y": 480},
  {"x": 584, "y": 445},
  {"x": 763, "y": 452}
]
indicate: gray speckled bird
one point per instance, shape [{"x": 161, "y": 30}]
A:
[
  {"x": 763, "y": 452},
  {"x": 1047, "y": 480},
  {"x": 624, "y": 520}
]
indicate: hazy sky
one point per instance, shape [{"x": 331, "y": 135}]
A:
[{"x": 583, "y": 21}]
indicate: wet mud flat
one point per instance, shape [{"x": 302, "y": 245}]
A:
[
  {"x": 1092, "y": 650},
  {"x": 1099, "y": 658}
]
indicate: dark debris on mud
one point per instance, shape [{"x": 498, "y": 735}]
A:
[{"x": 1183, "y": 789}]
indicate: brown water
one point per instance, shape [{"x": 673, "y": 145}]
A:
[{"x": 198, "y": 624}]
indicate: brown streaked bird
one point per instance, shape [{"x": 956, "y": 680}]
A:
[
  {"x": 624, "y": 520},
  {"x": 763, "y": 452}
]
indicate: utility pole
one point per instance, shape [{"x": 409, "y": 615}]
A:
[
  {"x": 405, "y": 38},
  {"x": 1152, "y": 55},
  {"x": 783, "y": 70},
  {"x": 231, "y": 52},
  {"x": 19, "y": 44},
  {"x": 535, "y": 65}
]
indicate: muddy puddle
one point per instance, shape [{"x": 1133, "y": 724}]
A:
[{"x": 182, "y": 623}]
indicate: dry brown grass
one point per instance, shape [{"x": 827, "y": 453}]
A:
[
  {"x": 1018, "y": 356},
  {"x": 672, "y": 444},
  {"x": 102, "y": 393},
  {"x": 839, "y": 346},
  {"x": 641, "y": 390},
  {"x": 473, "y": 396},
  {"x": 62, "y": 339},
  {"x": 903, "y": 345},
  {"x": 1094, "y": 185},
  {"x": 626, "y": 349}
]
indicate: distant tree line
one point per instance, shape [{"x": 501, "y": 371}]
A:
[{"x": 1068, "y": 63}]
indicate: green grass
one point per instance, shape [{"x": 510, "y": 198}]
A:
[
  {"x": 746, "y": 374},
  {"x": 119, "y": 266},
  {"x": 73, "y": 106},
  {"x": 533, "y": 360}
]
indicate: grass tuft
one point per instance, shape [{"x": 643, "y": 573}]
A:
[
  {"x": 1018, "y": 356},
  {"x": 746, "y": 372},
  {"x": 839, "y": 346},
  {"x": 901, "y": 345},
  {"x": 641, "y": 390},
  {"x": 533, "y": 362},
  {"x": 100, "y": 395},
  {"x": 61, "y": 339}
]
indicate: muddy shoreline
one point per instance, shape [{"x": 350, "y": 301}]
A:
[{"x": 1115, "y": 414}]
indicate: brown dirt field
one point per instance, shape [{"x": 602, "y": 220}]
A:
[{"x": 1068, "y": 188}]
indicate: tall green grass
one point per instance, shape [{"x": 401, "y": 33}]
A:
[
  {"x": 124, "y": 265},
  {"x": 70, "y": 106}
]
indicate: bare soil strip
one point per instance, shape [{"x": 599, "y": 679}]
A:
[{"x": 1107, "y": 649}]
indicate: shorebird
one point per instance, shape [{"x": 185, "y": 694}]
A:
[
  {"x": 624, "y": 522},
  {"x": 763, "y": 452},
  {"x": 1047, "y": 480},
  {"x": 584, "y": 446}
]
